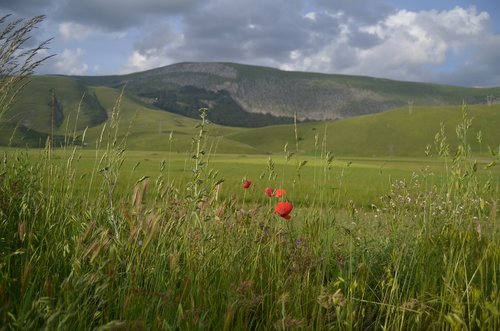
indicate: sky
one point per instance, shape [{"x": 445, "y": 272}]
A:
[{"x": 439, "y": 41}]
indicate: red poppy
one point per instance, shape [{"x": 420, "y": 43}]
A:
[
  {"x": 283, "y": 209},
  {"x": 269, "y": 191},
  {"x": 279, "y": 192},
  {"x": 247, "y": 183}
]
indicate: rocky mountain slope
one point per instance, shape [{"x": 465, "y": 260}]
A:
[{"x": 262, "y": 90}]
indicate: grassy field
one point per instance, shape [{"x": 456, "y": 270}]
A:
[
  {"x": 362, "y": 180},
  {"x": 103, "y": 237}
]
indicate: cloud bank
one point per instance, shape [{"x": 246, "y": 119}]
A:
[{"x": 456, "y": 45}]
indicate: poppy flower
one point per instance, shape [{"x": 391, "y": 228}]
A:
[
  {"x": 247, "y": 183},
  {"x": 283, "y": 209},
  {"x": 279, "y": 192},
  {"x": 269, "y": 191}
]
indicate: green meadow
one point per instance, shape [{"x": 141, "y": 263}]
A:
[
  {"x": 162, "y": 234},
  {"x": 362, "y": 180},
  {"x": 141, "y": 221}
]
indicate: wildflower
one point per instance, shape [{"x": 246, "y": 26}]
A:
[
  {"x": 269, "y": 191},
  {"x": 283, "y": 209},
  {"x": 247, "y": 183},
  {"x": 279, "y": 192}
]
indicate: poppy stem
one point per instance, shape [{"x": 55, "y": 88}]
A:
[{"x": 244, "y": 199}]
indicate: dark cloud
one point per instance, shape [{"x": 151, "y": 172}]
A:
[
  {"x": 25, "y": 8},
  {"x": 243, "y": 30},
  {"x": 121, "y": 14},
  {"x": 156, "y": 36},
  {"x": 111, "y": 15}
]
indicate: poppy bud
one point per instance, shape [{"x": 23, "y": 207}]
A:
[{"x": 247, "y": 183}]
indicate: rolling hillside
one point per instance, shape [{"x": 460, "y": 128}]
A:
[
  {"x": 81, "y": 107},
  {"x": 398, "y": 132},
  {"x": 392, "y": 133}
]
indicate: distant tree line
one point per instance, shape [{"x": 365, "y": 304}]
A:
[{"x": 223, "y": 109}]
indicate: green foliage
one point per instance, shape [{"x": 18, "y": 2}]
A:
[{"x": 204, "y": 181}]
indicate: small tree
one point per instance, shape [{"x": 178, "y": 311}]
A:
[{"x": 17, "y": 62}]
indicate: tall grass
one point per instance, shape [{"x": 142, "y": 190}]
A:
[
  {"x": 18, "y": 60},
  {"x": 164, "y": 255}
]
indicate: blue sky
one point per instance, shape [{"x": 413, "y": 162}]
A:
[{"x": 445, "y": 41}]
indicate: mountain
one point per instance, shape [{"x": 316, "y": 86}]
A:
[
  {"x": 230, "y": 87},
  {"x": 405, "y": 131},
  {"x": 237, "y": 96}
]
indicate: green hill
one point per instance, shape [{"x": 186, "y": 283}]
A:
[
  {"x": 151, "y": 129},
  {"x": 237, "y": 95},
  {"x": 58, "y": 95},
  {"x": 399, "y": 132},
  {"x": 393, "y": 133},
  {"x": 81, "y": 106}
]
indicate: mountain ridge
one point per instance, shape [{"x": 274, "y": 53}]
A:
[
  {"x": 309, "y": 95},
  {"x": 84, "y": 110},
  {"x": 237, "y": 95}
]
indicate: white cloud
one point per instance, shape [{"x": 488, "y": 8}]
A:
[
  {"x": 408, "y": 43},
  {"x": 413, "y": 40},
  {"x": 154, "y": 49},
  {"x": 404, "y": 42},
  {"x": 74, "y": 31},
  {"x": 311, "y": 16},
  {"x": 461, "y": 21},
  {"x": 143, "y": 61},
  {"x": 71, "y": 62}
]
